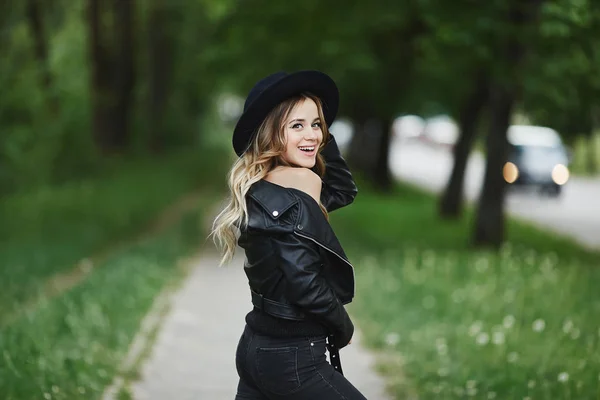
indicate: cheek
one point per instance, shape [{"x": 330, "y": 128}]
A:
[{"x": 290, "y": 142}]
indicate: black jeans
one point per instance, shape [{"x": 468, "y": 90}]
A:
[{"x": 288, "y": 368}]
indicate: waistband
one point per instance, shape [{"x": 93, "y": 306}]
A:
[{"x": 277, "y": 309}]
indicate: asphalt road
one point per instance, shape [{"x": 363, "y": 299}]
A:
[{"x": 576, "y": 213}]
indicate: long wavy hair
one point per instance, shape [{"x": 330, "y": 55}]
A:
[{"x": 264, "y": 154}]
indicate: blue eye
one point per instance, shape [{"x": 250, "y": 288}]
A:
[
  {"x": 317, "y": 124},
  {"x": 296, "y": 126}
]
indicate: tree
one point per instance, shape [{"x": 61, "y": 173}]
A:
[
  {"x": 112, "y": 73},
  {"x": 505, "y": 90},
  {"x": 124, "y": 71},
  {"x": 36, "y": 25},
  {"x": 563, "y": 80},
  {"x": 451, "y": 201},
  {"x": 392, "y": 43},
  {"x": 462, "y": 43},
  {"x": 160, "y": 66}
]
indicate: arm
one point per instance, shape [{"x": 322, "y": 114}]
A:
[
  {"x": 300, "y": 262},
  {"x": 338, "y": 188}
]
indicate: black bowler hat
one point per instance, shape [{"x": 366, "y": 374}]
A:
[{"x": 275, "y": 88}]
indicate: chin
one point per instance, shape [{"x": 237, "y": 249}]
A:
[{"x": 306, "y": 163}]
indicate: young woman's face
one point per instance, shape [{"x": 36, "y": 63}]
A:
[{"x": 303, "y": 135}]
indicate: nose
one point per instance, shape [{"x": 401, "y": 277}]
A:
[{"x": 310, "y": 134}]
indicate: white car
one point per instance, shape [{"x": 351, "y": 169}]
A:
[{"x": 537, "y": 157}]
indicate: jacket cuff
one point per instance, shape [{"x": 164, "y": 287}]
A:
[
  {"x": 331, "y": 148},
  {"x": 344, "y": 329}
]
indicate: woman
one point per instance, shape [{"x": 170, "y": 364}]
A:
[{"x": 289, "y": 175}]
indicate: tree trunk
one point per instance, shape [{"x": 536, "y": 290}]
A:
[
  {"x": 369, "y": 150},
  {"x": 160, "y": 69},
  {"x": 372, "y": 146},
  {"x": 451, "y": 202},
  {"x": 102, "y": 99},
  {"x": 383, "y": 177},
  {"x": 361, "y": 150},
  {"x": 124, "y": 79},
  {"x": 592, "y": 154},
  {"x": 489, "y": 225},
  {"x": 36, "y": 25}
]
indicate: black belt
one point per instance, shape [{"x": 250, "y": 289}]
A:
[
  {"x": 288, "y": 311},
  {"x": 275, "y": 308},
  {"x": 334, "y": 355}
]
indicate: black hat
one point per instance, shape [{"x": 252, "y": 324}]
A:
[{"x": 275, "y": 88}]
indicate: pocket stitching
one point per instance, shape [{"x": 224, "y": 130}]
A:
[{"x": 277, "y": 350}]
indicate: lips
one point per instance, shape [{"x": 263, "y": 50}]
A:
[{"x": 307, "y": 149}]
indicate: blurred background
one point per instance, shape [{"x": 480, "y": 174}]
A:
[{"x": 473, "y": 129}]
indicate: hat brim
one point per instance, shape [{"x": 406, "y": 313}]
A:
[{"x": 315, "y": 82}]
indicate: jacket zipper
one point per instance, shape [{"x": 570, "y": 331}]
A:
[
  {"x": 338, "y": 256},
  {"x": 326, "y": 248}
]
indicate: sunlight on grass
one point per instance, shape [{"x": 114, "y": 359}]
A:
[{"x": 520, "y": 323}]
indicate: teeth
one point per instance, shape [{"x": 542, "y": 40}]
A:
[{"x": 307, "y": 148}]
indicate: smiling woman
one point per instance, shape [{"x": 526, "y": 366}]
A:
[
  {"x": 303, "y": 137},
  {"x": 290, "y": 174}
]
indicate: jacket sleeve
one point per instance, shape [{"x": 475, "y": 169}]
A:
[
  {"x": 300, "y": 262},
  {"x": 338, "y": 188}
]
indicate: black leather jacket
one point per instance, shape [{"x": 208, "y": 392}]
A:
[{"x": 292, "y": 254}]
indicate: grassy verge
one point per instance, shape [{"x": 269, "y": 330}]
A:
[
  {"x": 49, "y": 231},
  {"x": 454, "y": 322},
  {"x": 581, "y": 156},
  {"x": 72, "y": 346}
]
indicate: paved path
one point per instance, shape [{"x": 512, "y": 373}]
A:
[
  {"x": 194, "y": 353},
  {"x": 576, "y": 213}
]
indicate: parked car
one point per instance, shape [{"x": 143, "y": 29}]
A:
[{"x": 537, "y": 158}]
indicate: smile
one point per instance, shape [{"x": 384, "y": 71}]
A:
[{"x": 307, "y": 149}]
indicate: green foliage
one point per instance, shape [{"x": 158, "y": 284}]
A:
[
  {"x": 71, "y": 346},
  {"x": 454, "y": 322},
  {"x": 40, "y": 146},
  {"x": 50, "y": 229},
  {"x": 585, "y": 150},
  {"x": 563, "y": 80},
  {"x": 387, "y": 57}
]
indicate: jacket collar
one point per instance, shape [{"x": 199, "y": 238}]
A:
[
  {"x": 311, "y": 222},
  {"x": 275, "y": 199}
]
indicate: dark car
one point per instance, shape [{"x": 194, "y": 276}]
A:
[{"x": 537, "y": 158}]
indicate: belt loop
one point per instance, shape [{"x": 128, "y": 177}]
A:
[{"x": 262, "y": 303}]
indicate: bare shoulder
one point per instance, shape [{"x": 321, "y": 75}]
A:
[{"x": 298, "y": 178}]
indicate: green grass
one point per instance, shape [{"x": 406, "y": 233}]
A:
[
  {"x": 581, "y": 154},
  {"x": 51, "y": 229},
  {"x": 71, "y": 346},
  {"x": 452, "y": 322}
]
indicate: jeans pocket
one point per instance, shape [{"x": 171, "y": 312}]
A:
[
  {"x": 278, "y": 369},
  {"x": 318, "y": 349}
]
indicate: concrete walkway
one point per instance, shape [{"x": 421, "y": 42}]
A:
[{"x": 194, "y": 353}]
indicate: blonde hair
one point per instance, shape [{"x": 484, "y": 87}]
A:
[{"x": 264, "y": 154}]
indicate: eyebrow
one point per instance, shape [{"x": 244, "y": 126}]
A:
[{"x": 303, "y": 120}]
